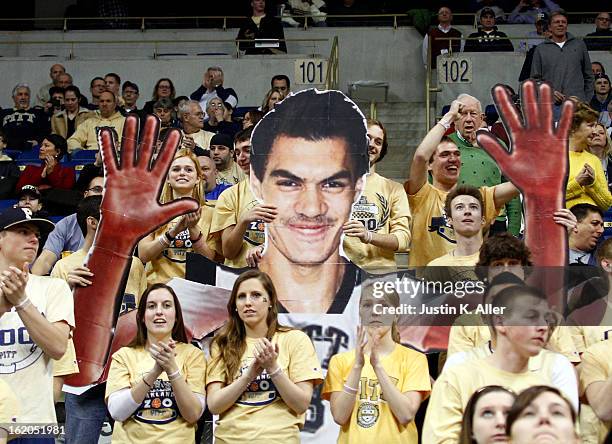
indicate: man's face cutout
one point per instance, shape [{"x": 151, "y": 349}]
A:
[{"x": 313, "y": 184}]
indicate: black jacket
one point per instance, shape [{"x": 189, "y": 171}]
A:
[
  {"x": 269, "y": 28},
  {"x": 488, "y": 42}
]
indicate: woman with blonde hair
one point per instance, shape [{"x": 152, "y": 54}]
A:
[
  {"x": 272, "y": 97},
  {"x": 600, "y": 145},
  {"x": 379, "y": 364},
  {"x": 164, "y": 251},
  {"x": 261, "y": 375},
  {"x": 587, "y": 181}
]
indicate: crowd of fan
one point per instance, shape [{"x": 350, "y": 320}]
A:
[{"x": 501, "y": 381}]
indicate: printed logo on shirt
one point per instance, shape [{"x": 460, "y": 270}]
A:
[
  {"x": 367, "y": 414},
  {"x": 17, "y": 350},
  {"x": 370, "y": 395},
  {"x": 441, "y": 226},
  {"x": 260, "y": 391},
  {"x": 373, "y": 216},
  {"x": 255, "y": 233},
  {"x": 159, "y": 405},
  {"x": 177, "y": 251}
]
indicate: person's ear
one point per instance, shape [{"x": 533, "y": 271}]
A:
[{"x": 606, "y": 264}]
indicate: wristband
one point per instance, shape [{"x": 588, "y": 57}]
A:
[
  {"x": 446, "y": 125},
  {"x": 349, "y": 390},
  {"x": 197, "y": 239},
  {"x": 169, "y": 236},
  {"x": 23, "y": 304},
  {"x": 368, "y": 237},
  {"x": 146, "y": 383},
  {"x": 163, "y": 241},
  {"x": 275, "y": 372},
  {"x": 171, "y": 376}
]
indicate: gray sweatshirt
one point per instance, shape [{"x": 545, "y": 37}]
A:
[{"x": 568, "y": 69}]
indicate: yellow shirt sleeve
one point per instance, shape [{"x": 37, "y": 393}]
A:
[
  {"x": 67, "y": 364},
  {"x": 598, "y": 190},
  {"x": 195, "y": 365},
  {"x": 459, "y": 340},
  {"x": 215, "y": 369},
  {"x": 9, "y": 404},
  {"x": 60, "y": 306},
  {"x": 416, "y": 377},
  {"x": 334, "y": 380},
  {"x": 399, "y": 225},
  {"x": 303, "y": 362},
  {"x": 595, "y": 365},
  {"x": 226, "y": 211},
  {"x": 444, "y": 413},
  {"x": 118, "y": 374},
  {"x": 78, "y": 140}
]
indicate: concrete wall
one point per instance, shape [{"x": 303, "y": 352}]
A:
[{"x": 381, "y": 54}]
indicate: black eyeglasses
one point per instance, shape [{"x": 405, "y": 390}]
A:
[{"x": 96, "y": 189}]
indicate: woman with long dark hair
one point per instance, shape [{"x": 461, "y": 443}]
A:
[
  {"x": 156, "y": 385},
  {"x": 261, "y": 374},
  {"x": 484, "y": 418}
]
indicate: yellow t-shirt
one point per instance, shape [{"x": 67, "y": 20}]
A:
[
  {"x": 232, "y": 203},
  {"x": 136, "y": 284},
  {"x": 596, "y": 366},
  {"x": 201, "y": 138},
  {"x": 158, "y": 418},
  {"x": 383, "y": 209},
  {"x": 454, "y": 388},
  {"x": 595, "y": 194},
  {"x": 67, "y": 364},
  {"x": 432, "y": 237},
  {"x": 171, "y": 261},
  {"x": 9, "y": 404},
  {"x": 23, "y": 365},
  {"x": 232, "y": 175},
  {"x": 372, "y": 419},
  {"x": 469, "y": 331},
  {"x": 260, "y": 414},
  {"x": 585, "y": 336}
]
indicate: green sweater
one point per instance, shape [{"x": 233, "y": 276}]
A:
[{"x": 479, "y": 169}]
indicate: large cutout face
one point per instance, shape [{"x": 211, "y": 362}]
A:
[{"x": 308, "y": 159}]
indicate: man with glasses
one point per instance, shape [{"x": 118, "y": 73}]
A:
[
  {"x": 601, "y": 39},
  {"x": 66, "y": 236},
  {"x": 192, "y": 118}
]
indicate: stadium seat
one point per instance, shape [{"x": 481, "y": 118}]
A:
[
  {"x": 55, "y": 219},
  {"x": 29, "y": 156},
  {"x": 7, "y": 203},
  {"x": 84, "y": 156}
]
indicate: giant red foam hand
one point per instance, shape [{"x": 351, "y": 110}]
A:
[
  {"x": 130, "y": 210},
  {"x": 537, "y": 164}
]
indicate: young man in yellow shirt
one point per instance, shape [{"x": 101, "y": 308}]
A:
[{"x": 431, "y": 235}]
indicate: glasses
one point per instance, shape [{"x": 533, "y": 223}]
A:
[
  {"x": 96, "y": 189},
  {"x": 218, "y": 105},
  {"x": 603, "y": 19}
]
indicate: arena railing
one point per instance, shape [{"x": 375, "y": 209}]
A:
[
  {"x": 224, "y": 22},
  {"x": 155, "y": 43},
  {"x": 429, "y": 88}
]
